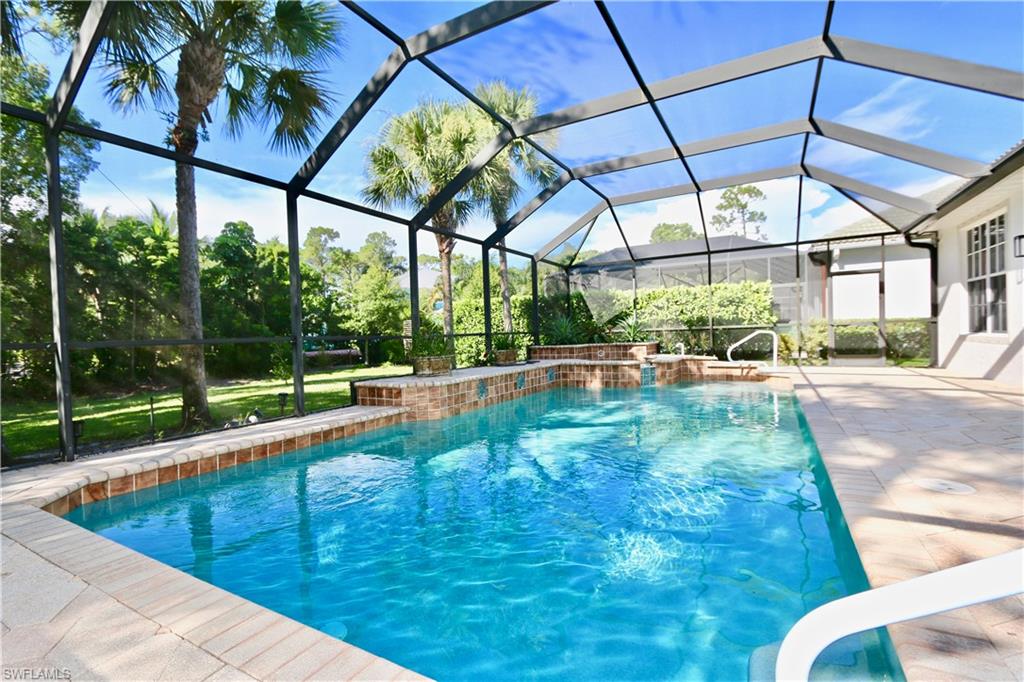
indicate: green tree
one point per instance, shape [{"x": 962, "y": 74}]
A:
[
  {"x": 318, "y": 255},
  {"x": 379, "y": 303},
  {"x": 499, "y": 187},
  {"x": 24, "y": 231},
  {"x": 734, "y": 209},
  {"x": 260, "y": 56},
  {"x": 379, "y": 249},
  {"x": 316, "y": 248},
  {"x": 673, "y": 232},
  {"x": 415, "y": 156}
]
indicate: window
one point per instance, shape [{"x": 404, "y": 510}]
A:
[{"x": 986, "y": 276}]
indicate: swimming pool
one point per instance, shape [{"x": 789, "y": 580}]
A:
[{"x": 657, "y": 533}]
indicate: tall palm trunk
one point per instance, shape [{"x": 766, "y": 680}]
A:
[
  {"x": 445, "y": 246},
  {"x": 200, "y": 77},
  {"x": 506, "y": 292}
]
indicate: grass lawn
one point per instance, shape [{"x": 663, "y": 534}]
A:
[{"x": 31, "y": 426}]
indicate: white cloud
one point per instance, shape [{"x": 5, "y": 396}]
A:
[{"x": 890, "y": 113}]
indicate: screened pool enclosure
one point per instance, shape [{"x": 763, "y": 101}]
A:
[{"x": 688, "y": 171}]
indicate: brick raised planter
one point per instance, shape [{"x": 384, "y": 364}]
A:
[{"x": 595, "y": 351}]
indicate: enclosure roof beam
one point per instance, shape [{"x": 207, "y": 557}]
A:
[
  {"x": 526, "y": 211},
  {"x": 912, "y": 204},
  {"x": 463, "y": 178},
  {"x": 769, "y": 132},
  {"x": 350, "y": 118},
  {"x": 724, "y": 72},
  {"x": 664, "y": 193},
  {"x": 988, "y": 79},
  {"x": 824, "y": 46},
  {"x": 416, "y": 47},
  {"x": 588, "y": 217},
  {"x": 825, "y": 128},
  {"x": 469, "y": 24},
  {"x": 94, "y": 25},
  {"x": 875, "y": 213},
  {"x": 923, "y": 156},
  {"x": 653, "y": 104}
]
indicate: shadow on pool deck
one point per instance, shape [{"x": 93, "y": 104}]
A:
[{"x": 880, "y": 431}]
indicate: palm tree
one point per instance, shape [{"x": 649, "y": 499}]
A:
[
  {"x": 262, "y": 56},
  {"x": 498, "y": 182},
  {"x": 415, "y": 156}
]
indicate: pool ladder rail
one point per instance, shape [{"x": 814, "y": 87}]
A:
[
  {"x": 953, "y": 588},
  {"x": 758, "y": 332}
]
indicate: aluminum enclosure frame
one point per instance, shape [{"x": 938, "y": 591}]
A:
[{"x": 951, "y": 72}]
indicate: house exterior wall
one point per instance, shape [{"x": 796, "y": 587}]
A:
[
  {"x": 907, "y": 281},
  {"x": 988, "y": 355}
]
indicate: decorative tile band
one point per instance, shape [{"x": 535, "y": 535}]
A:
[
  {"x": 210, "y": 460},
  {"x": 432, "y": 398}
]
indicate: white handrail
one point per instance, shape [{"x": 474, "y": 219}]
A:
[
  {"x": 775, "y": 345},
  {"x": 953, "y": 588}
]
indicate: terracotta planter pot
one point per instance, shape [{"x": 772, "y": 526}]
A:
[
  {"x": 433, "y": 365},
  {"x": 509, "y": 356}
]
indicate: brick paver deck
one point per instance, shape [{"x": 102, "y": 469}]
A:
[{"x": 880, "y": 432}]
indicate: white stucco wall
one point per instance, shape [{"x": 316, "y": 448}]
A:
[
  {"x": 907, "y": 282},
  {"x": 992, "y": 356}
]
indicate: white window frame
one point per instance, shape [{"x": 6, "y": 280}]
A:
[{"x": 984, "y": 267}]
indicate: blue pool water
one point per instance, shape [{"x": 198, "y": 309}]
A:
[{"x": 634, "y": 534}]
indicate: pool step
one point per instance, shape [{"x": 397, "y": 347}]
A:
[{"x": 844, "y": 660}]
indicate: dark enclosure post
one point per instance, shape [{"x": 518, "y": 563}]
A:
[
  {"x": 711, "y": 310},
  {"x": 568, "y": 292},
  {"x": 414, "y": 280},
  {"x": 634, "y": 295},
  {"x": 535, "y": 311},
  {"x": 295, "y": 293},
  {"x": 58, "y": 298},
  {"x": 486, "y": 263}
]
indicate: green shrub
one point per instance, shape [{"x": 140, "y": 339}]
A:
[
  {"x": 633, "y": 331},
  {"x": 561, "y": 330},
  {"x": 739, "y": 303},
  {"x": 856, "y": 340},
  {"x": 906, "y": 339}
]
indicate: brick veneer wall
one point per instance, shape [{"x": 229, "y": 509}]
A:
[
  {"x": 440, "y": 397},
  {"x": 207, "y": 459},
  {"x": 594, "y": 351}
]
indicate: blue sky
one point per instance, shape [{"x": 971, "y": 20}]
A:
[{"x": 565, "y": 55}]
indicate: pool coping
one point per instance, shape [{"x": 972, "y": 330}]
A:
[{"x": 205, "y": 632}]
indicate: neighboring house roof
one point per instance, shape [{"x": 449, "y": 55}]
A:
[
  {"x": 664, "y": 253},
  {"x": 1007, "y": 163},
  {"x": 870, "y": 227}
]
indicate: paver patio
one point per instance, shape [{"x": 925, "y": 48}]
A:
[{"x": 880, "y": 432}]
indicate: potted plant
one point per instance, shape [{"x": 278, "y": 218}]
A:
[
  {"x": 431, "y": 353},
  {"x": 505, "y": 351}
]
